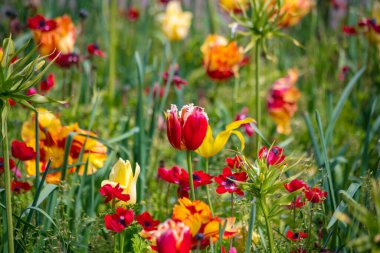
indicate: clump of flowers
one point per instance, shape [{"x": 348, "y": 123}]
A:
[
  {"x": 221, "y": 59},
  {"x": 175, "y": 23},
  {"x": 52, "y": 140},
  {"x": 282, "y": 101}
]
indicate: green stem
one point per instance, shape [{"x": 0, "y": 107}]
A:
[
  {"x": 211, "y": 17},
  {"x": 8, "y": 194},
  {"x": 252, "y": 218},
  {"x": 268, "y": 224},
  {"x": 208, "y": 191},
  {"x": 310, "y": 225},
  {"x": 122, "y": 242},
  {"x": 257, "y": 89},
  {"x": 190, "y": 168},
  {"x": 112, "y": 50}
]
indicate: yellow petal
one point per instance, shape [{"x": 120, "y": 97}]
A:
[
  {"x": 241, "y": 138},
  {"x": 206, "y": 149},
  {"x": 132, "y": 186},
  {"x": 121, "y": 172},
  {"x": 236, "y": 124}
]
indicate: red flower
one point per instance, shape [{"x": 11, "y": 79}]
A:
[
  {"x": 65, "y": 60},
  {"x": 157, "y": 90},
  {"x": 170, "y": 176},
  {"x": 180, "y": 177},
  {"x": 315, "y": 195},
  {"x": 349, "y": 30},
  {"x": 234, "y": 163},
  {"x": 176, "y": 79},
  {"x": 11, "y": 102},
  {"x": 227, "y": 185},
  {"x": 248, "y": 127},
  {"x": 187, "y": 130},
  {"x": 47, "y": 83},
  {"x": 19, "y": 187},
  {"x": 39, "y": 22},
  {"x": 273, "y": 156},
  {"x": 343, "y": 72},
  {"x": 93, "y": 49},
  {"x": 11, "y": 164},
  {"x": 21, "y": 151},
  {"x": 295, "y": 236},
  {"x": 120, "y": 220},
  {"x": 296, "y": 204},
  {"x": 31, "y": 91},
  {"x": 147, "y": 222},
  {"x": 295, "y": 185},
  {"x": 113, "y": 192},
  {"x": 132, "y": 14}
]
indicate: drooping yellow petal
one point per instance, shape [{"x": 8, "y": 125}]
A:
[
  {"x": 132, "y": 186},
  {"x": 211, "y": 146}
]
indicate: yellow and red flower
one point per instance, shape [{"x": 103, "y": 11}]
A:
[
  {"x": 282, "y": 101},
  {"x": 187, "y": 130},
  {"x": 172, "y": 237},
  {"x": 52, "y": 140},
  {"x": 221, "y": 58}
]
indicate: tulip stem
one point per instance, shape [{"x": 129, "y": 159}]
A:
[
  {"x": 258, "y": 110},
  {"x": 208, "y": 191},
  {"x": 267, "y": 223},
  {"x": 190, "y": 168},
  {"x": 7, "y": 178}
]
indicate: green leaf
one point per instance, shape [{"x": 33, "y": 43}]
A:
[{"x": 342, "y": 206}]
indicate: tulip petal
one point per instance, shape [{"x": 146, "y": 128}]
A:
[
  {"x": 207, "y": 145},
  {"x": 195, "y": 129},
  {"x": 241, "y": 138},
  {"x": 236, "y": 124}
]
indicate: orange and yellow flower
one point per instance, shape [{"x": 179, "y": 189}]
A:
[
  {"x": 203, "y": 227},
  {"x": 293, "y": 11},
  {"x": 221, "y": 58},
  {"x": 282, "y": 101},
  {"x": 52, "y": 140},
  {"x": 51, "y": 35},
  {"x": 234, "y": 5}
]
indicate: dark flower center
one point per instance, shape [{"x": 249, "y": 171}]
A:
[
  {"x": 196, "y": 177},
  {"x": 122, "y": 221},
  {"x": 199, "y": 236},
  {"x": 42, "y": 23},
  {"x": 295, "y": 236},
  {"x": 147, "y": 223}
]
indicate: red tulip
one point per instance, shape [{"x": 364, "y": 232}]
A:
[
  {"x": 295, "y": 185},
  {"x": 188, "y": 130},
  {"x": 173, "y": 237},
  {"x": 21, "y": 151},
  {"x": 315, "y": 195}
]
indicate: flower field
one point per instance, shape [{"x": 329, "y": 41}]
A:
[{"x": 190, "y": 126}]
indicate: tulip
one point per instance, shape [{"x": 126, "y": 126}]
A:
[
  {"x": 174, "y": 22},
  {"x": 122, "y": 174},
  {"x": 211, "y": 146},
  {"x": 188, "y": 130},
  {"x": 173, "y": 237}
]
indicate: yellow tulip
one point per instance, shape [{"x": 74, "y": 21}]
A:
[
  {"x": 122, "y": 174},
  {"x": 175, "y": 23},
  {"x": 211, "y": 146}
]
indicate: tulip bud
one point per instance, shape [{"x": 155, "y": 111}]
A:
[
  {"x": 173, "y": 237},
  {"x": 187, "y": 130}
]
